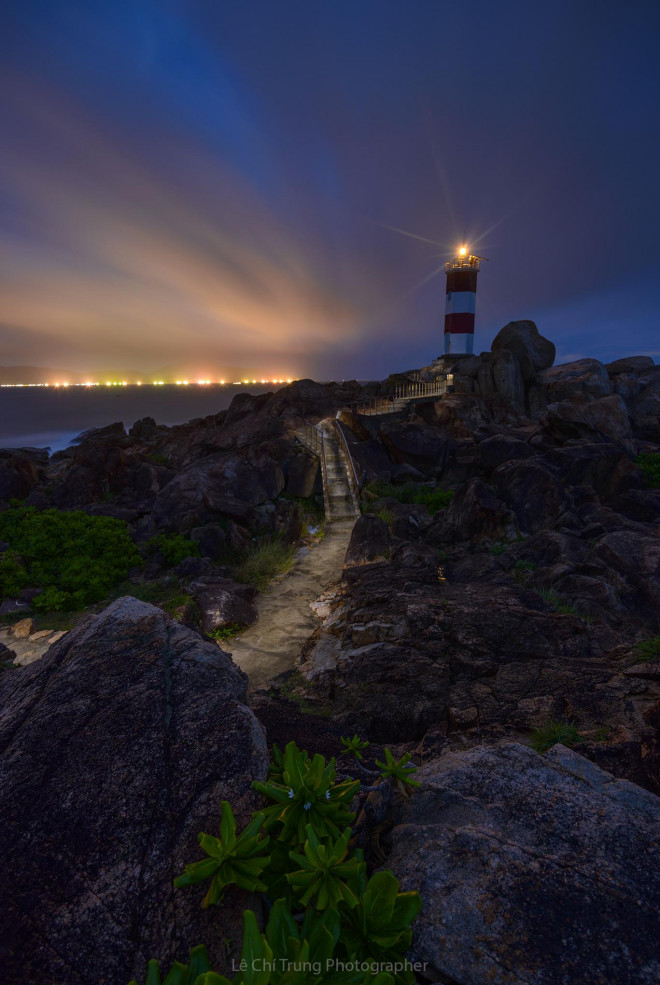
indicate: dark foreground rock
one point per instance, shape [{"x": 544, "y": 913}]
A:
[
  {"x": 117, "y": 749},
  {"x": 536, "y": 870}
]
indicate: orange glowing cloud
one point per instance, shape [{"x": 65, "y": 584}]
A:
[{"x": 132, "y": 262}]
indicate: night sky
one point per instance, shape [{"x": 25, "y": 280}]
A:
[{"x": 270, "y": 186}]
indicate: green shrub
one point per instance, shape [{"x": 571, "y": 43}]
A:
[
  {"x": 324, "y": 910},
  {"x": 173, "y": 548},
  {"x": 648, "y": 650},
  {"x": 386, "y": 516},
  {"x": 13, "y": 574},
  {"x": 74, "y": 558},
  {"x": 265, "y": 560},
  {"x": 524, "y": 566},
  {"x": 225, "y": 632},
  {"x": 649, "y": 463},
  {"x": 553, "y": 732},
  {"x": 434, "y": 499},
  {"x": 354, "y": 746},
  {"x": 498, "y": 549}
]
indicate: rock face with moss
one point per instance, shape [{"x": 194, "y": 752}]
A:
[
  {"x": 531, "y": 869},
  {"x": 117, "y": 749}
]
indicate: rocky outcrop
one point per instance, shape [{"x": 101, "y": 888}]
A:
[
  {"x": 523, "y": 339},
  {"x": 218, "y": 486},
  {"x": 370, "y": 541},
  {"x": 645, "y": 411},
  {"x": 532, "y": 869},
  {"x": 19, "y": 474},
  {"x": 223, "y": 602},
  {"x": 520, "y": 602},
  {"x": 517, "y": 378},
  {"x": 604, "y": 419},
  {"x": 584, "y": 378},
  {"x": 303, "y": 476},
  {"x": 475, "y": 513},
  {"x": 117, "y": 749}
]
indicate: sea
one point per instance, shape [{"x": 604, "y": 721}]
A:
[{"x": 52, "y": 417}]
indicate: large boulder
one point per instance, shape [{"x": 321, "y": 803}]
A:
[
  {"x": 18, "y": 475},
  {"x": 532, "y": 491},
  {"x": 117, "y": 748},
  {"x": 585, "y": 379},
  {"x": 630, "y": 364},
  {"x": 535, "y": 869},
  {"x": 218, "y": 485},
  {"x": 600, "y": 466},
  {"x": 303, "y": 475},
  {"x": 500, "y": 448},
  {"x": 522, "y": 338},
  {"x": 474, "y": 514},
  {"x": 637, "y": 558},
  {"x": 223, "y": 602},
  {"x": 370, "y": 541},
  {"x": 509, "y": 380},
  {"x": 416, "y": 443},
  {"x": 606, "y": 417},
  {"x": 645, "y": 411}
]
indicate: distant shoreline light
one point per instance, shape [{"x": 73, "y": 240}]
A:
[{"x": 65, "y": 384}]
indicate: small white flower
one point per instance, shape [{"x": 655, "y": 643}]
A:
[
  {"x": 290, "y": 793},
  {"x": 327, "y": 795},
  {"x": 307, "y": 805}
]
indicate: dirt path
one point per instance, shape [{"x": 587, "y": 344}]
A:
[{"x": 286, "y": 620}]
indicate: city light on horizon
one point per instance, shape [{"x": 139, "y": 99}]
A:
[{"x": 87, "y": 384}]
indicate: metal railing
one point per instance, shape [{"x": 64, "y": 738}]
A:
[
  {"x": 314, "y": 440},
  {"x": 394, "y": 401},
  {"x": 351, "y": 473}
]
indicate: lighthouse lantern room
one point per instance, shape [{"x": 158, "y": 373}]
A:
[{"x": 461, "y": 301}]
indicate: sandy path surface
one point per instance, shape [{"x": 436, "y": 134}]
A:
[{"x": 286, "y": 620}]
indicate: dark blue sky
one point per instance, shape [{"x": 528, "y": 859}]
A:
[{"x": 218, "y": 184}]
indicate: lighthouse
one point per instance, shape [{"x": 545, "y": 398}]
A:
[{"x": 461, "y": 301}]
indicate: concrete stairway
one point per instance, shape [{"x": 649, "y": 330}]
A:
[{"x": 341, "y": 502}]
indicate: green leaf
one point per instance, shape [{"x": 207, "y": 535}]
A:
[
  {"x": 227, "y": 826},
  {"x": 380, "y": 895},
  {"x": 257, "y": 955}
]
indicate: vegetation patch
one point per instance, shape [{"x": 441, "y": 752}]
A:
[
  {"x": 180, "y": 606},
  {"x": 265, "y": 560},
  {"x": 648, "y": 650},
  {"x": 173, "y": 548},
  {"x": 432, "y": 498},
  {"x": 560, "y": 605},
  {"x": 226, "y": 632},
  {"x": 553, "y": 732},
  {"x": 328, "y": 922},
  {"x": 649, "y": 463},
  {"x": 75, "y": 559}
]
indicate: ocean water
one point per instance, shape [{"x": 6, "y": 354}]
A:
[{"x": 37, "y": 417}]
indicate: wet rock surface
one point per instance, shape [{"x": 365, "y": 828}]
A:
[
  {"x": 117, "y": 749},
  {"x": 532, "y": 869}
]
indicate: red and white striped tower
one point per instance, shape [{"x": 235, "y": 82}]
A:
[{"x": 461, "y": 301}]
